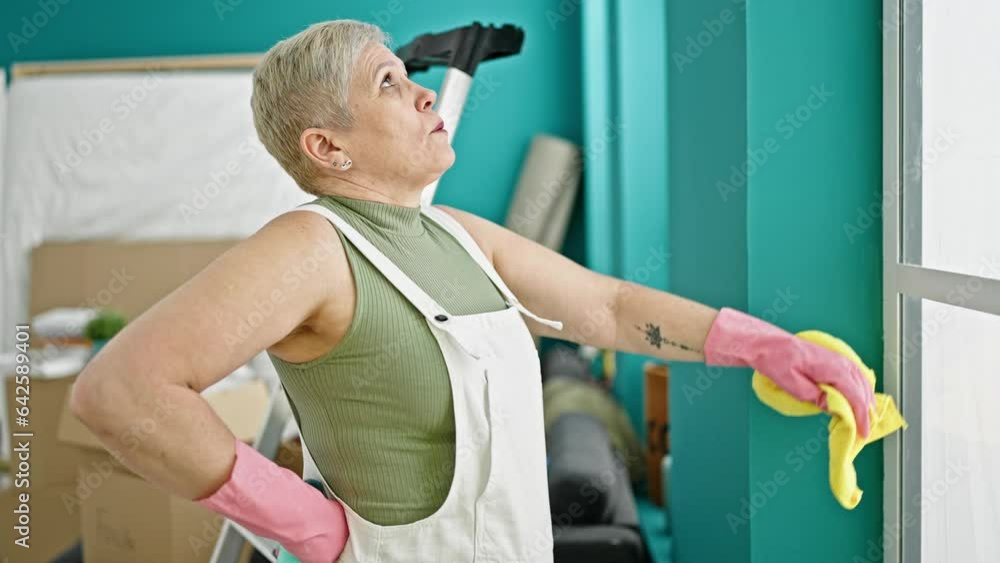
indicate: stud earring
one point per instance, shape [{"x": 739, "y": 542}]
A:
[{"x": 346, "y": 164}]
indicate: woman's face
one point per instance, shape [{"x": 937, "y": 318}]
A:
[{"x": 396, "y": 137}]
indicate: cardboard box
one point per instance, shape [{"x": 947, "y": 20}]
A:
[
  {"x": 67, "y": 459},
  {"x": 128, "y": 520},
  {"x": 53, "y": 526},
  {"x": 129, "y": 277},
  {"x": 657, "y": 411}
]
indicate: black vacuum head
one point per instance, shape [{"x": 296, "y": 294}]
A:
[{"x": 462, "y": 48}]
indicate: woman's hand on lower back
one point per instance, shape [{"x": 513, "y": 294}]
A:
[{"x": 274, "y": 502}]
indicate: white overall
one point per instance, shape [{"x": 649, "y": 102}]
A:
[{"x": 497, "y": 509}]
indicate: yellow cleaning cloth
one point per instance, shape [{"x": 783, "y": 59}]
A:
[{"x": 845, "y": 444}]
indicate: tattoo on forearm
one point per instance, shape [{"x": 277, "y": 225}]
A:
[{"x": 653, "y": 336}]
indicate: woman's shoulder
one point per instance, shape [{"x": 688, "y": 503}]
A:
[
  {"x": 315, "y": 262},
  {"x": 307, "y": 240}
]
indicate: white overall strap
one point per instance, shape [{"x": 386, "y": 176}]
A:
[
  {"x": 449, "y": 224},
  {"x": 423, "y": 302}
]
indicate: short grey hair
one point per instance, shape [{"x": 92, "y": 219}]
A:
[{"x": 304, "y": 81}]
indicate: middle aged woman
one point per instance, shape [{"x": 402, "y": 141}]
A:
[{"x": 402, "y": 335}]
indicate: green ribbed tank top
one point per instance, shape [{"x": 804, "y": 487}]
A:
[{"x": 376, "y": 409}]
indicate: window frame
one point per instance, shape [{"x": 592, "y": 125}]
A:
[{"x": 901, "y": 27}]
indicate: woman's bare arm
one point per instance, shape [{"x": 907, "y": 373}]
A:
[
  {"x": 595, "y": 309},
  {"x": 249, "y": 298}
]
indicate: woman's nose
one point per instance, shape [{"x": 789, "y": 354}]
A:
[{"x": 426, "y": 99}]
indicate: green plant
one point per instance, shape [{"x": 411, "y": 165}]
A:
[{"x": 105, "y": 325}]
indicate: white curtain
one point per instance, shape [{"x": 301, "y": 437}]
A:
[{"x": 144, "y": 155}]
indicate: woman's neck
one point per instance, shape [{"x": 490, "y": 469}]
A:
[{"x": 343, "y": 187}]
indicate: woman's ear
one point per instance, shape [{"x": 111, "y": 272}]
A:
[{"x": 321, "y": 147}]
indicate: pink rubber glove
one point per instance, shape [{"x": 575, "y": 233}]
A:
[
  {"x": 794, "y": 364},
  {"x": 275, "y": 503}
]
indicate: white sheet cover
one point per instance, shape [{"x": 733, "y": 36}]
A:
[{"x": 146, "y": 155}]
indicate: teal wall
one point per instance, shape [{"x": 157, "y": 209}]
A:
[
  {"x": 771, "y": 241},
  {"x": 643, "y": 203},
  {"x": 824, "y": 164},
  {"x": 708, "y": 238},
  {"x": 627, "y": 208},
  {"x": 536, "y": 92}
]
